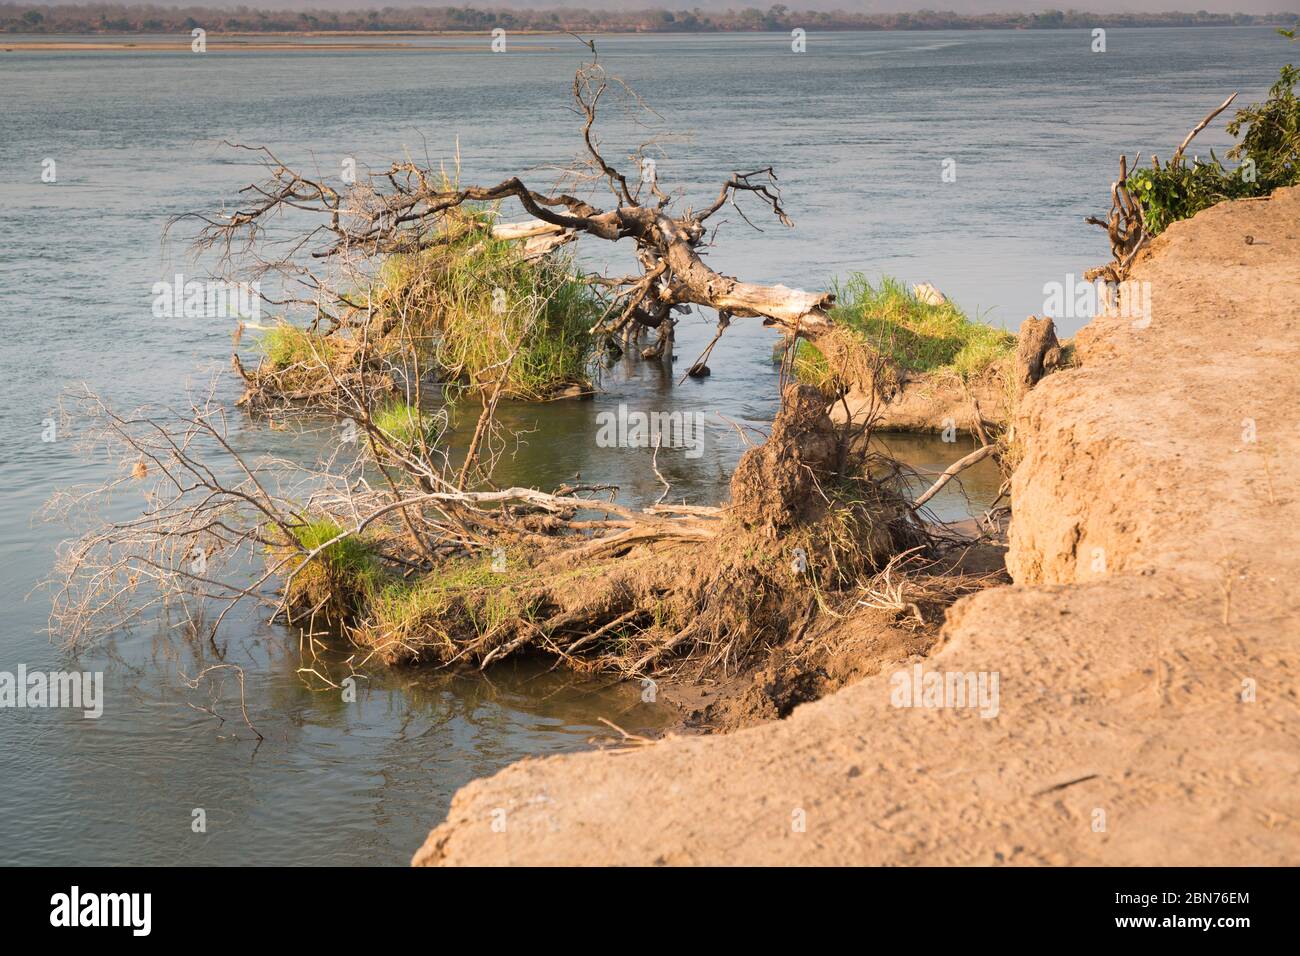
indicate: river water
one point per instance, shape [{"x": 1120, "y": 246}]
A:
[{"x": 858, "y": 127}]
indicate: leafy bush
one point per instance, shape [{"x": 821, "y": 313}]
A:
[
  {"x": 1272, "y": 136},
  {"x": 1171, "y": 193},
  {"x": 1269, "y": 154}
]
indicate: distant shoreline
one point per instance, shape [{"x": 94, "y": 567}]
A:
[
  {"x": 113, "y": 22},
  {"x": 110, "y": 35},
  {"x": 292, "y": 41},
  {"x": 217, "y": 43}
]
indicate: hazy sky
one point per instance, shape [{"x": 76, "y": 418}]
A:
[{"x": 868, "y": 6}]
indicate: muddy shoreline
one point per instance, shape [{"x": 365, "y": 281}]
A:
[{"x": 1148, "y": 712}]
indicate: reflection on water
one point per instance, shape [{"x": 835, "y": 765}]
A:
[
  {"x": 968, "y": 494},
  {"x": 332, "y": 782},
  {"x": 548, "y": 445}
]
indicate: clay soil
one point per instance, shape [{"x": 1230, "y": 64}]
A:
[{"x": 1149, "y": 709}]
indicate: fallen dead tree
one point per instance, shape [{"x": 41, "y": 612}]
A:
[
  {"x": 668, "y": 585},
  {"x": 415, "y": 214},
  {"x": 409, "y": 550},
  {"x": 428, "y": 573}
]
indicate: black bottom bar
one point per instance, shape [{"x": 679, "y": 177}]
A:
[{"x": 332, "y": 906}]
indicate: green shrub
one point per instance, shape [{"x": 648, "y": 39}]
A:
[
  {"x": 1269, "y": 154},
  {"x": 1170, "y": 193},
  {"x": 1272, "y": 137}
]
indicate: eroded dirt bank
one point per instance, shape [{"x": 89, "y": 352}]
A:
[{"x": 1156, "y": 549}]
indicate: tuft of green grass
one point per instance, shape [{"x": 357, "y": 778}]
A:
[
  {"x": 350, "y": 560},
  {"x": 466, "y": 588},
  {"x": 286, "y": 345},
  {"x": 469, "y": 303},
  {"x": 912, "y": 335},
  {"x": 402, "y": 611},
  {"x": 406, "y": 424}
]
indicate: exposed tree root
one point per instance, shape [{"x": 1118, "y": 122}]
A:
[{"x": 711, "y": 586}]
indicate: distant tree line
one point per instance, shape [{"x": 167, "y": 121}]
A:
[{"x": 117, "y": 18}]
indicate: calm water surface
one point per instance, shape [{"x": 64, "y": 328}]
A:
[{"x": 857, "y": 127}]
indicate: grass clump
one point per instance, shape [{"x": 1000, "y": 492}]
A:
[
  {"x": 470, "y": 303},
  {"x": 285, "y": 345},
  {"x": 340, "y": 580},
  {"x": 909, "y": 336},
  {"x": 349, "y": 555},
  {"x": 294, "y": 360},
  {"x": 403, "y": 613},
  {"x": 407, "y": 425},
  {"x": 476, "y": 311},
  {"x": 466, "y": 599}
]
